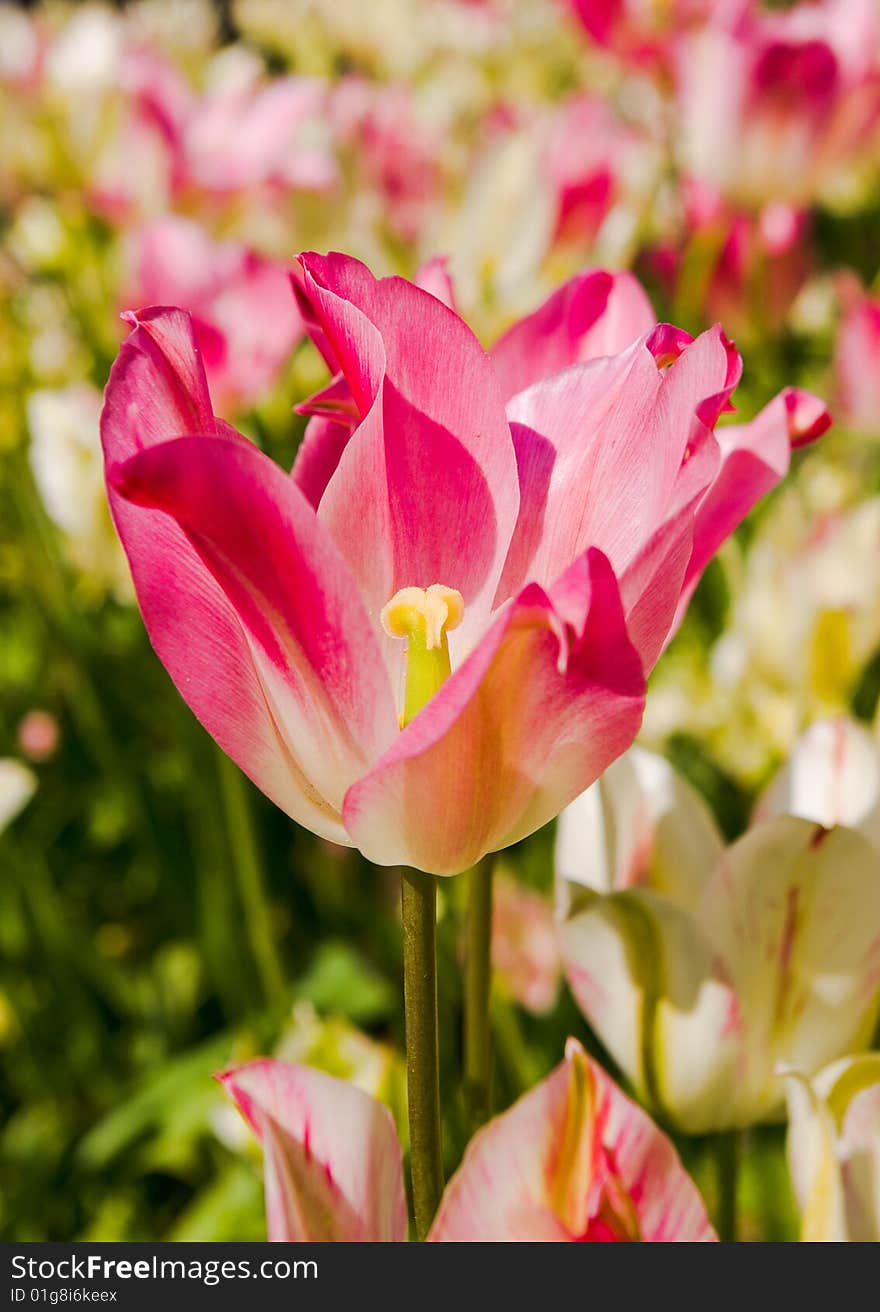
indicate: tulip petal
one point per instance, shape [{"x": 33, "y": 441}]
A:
[
  {"x": 620, "y": 430},
  {"x": 641, "y": 823},
  {"x": 860, "y": 1147},
  {"x": 832, "y": 776},
  {"x": 813, "y": 1164},
  {"x": 754, "y": 458},
  {"x": 157, "y": 390},
  {"x": 591, "y": 315},
  {"x": 574, "y": 1159},
  {"x": 647, "y": 980},
  {"x": 549, "y": 697},
  {"x": 793, "y": 911},
  {"x": 333, "y": 1163},
  {"x": 315, "y": 653},
  {"x": 834, "y": 1149},
  {"x": 428, "y": 405}
]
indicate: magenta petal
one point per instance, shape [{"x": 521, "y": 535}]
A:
[
  {"x": 425, "y": 491},
  {"x": 547, "y": 700},
  {"x": 157, "y": 386},
  {"x": 319, "y": 453},
  {"x": 313, "y": 650},
  {"x": 334, "y": 419},
  {"x": 333, "y": 1164},
  {"x": 593, "y": 314},
  {"x": 754, "y": 458},
  {"x": 157, "y": 390}
]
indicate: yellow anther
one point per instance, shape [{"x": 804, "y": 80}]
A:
[
  {"x": 423, "y": 616},
  {"x": 430, "y": 611}
]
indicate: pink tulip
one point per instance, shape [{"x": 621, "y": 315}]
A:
[
  {"x": 857, "y": 358},
  {"x": 573, "y": 1160},
  {"x": 780, "y": 105},
  {"x": 559, "y": 537},
  {"x": 244, "y": 319}
]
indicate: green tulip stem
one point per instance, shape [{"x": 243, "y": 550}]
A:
[{"x": 419, "y": 906}]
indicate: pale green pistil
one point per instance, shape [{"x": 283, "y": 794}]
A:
[{"x": 423, "y": 617}]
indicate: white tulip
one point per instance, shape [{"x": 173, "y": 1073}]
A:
[
  {"x": 834, "y": 1149},
  {"x": 702, "y": 969}
]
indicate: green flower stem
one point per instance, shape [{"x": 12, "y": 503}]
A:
[
  {"x": 726, "y": 1151},
  {"x": 419, "y": 905},
  {"x": 477, "y": 985}
]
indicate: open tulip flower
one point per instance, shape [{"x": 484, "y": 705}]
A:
[
  {"x": 703, "y": 969},
  {"x": 435, "y": 632},
  {"x": 573, "y": 1159},
  {"x": 834, "y": 1150}
]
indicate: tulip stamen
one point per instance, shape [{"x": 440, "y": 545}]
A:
[{"x": 423, "y": 617}]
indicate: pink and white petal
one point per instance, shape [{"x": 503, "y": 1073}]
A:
[
  {"x": 334, "y": 417},
  {"x": 429, "y": 402},
  {"x": 548, "y": 1168},
  {"x": 640, "y": 824},
  {"x": 754, "y": 458},
  {"x": 620, "y": 430},
  {"x": 333, "y": 1162},
  {"x": 651, "y": 585},
  {"x": 832, "y": 776},
  {"x": 157, "y": 390},
  {"x": 667, "y": 1203},
  {"x": 793, "y": 912},
  {"x": 652, "y": 582},
  {"x": 698, "y": 383},
  {"x": 550, "y": 696},
  {"x": 583, "y": 441},
  {"x": 646, "y": 978},
  {"x": 315, "y": 653},
  {"x": 529, "y": 1174},
  {"x": 591, "y": 315}
]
